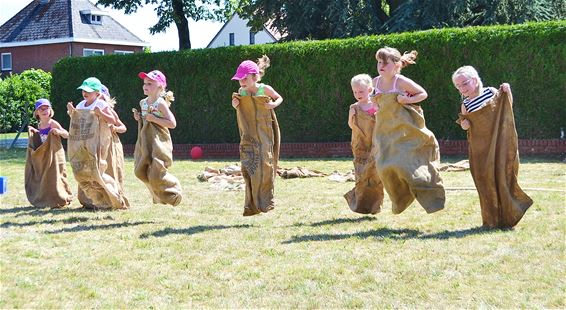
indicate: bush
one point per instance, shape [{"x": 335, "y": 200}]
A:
[
  {"x": 314, "y": 79},
  {"x": 18, "y": 93}
]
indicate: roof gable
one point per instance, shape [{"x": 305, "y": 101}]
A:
[{"x": 62, "y": 19}]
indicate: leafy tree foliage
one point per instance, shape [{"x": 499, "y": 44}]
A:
[
  {"x": 178, "y": 12},
  {"x": 323, "y": 19},
  {"x": 18, "y": 93}
]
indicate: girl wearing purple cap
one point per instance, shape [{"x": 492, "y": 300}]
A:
[
  {"x": 45, "y": 171},
  {"x": 46, "y": 124},
  {"x": 153, "y": 154}
]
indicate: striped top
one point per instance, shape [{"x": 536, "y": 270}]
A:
[{"x": 478, "y": 102}]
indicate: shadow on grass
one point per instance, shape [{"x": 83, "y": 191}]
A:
[
  {"x": 190, "y": 231},
  {"x": 395, "y": 234},
  {"x": 38, "y": 211},
  {"x": 337, "y": 221},
  {"x": 70, "y": 220},
  {"x": 82, "y": 228}
]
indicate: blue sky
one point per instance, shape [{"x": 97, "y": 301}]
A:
[{"x": 201, "y": 32}]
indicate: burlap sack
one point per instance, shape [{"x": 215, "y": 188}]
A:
[
  {"x": 153, "y": 155},
  {"x": 367, "y": 195},
  {"x": 259, "y": 151},
  {"x": 89, "y": 140},
  {"x": 46, "y": 172},
  {"x": 494, "y": 163},
  {"x": 115, "y": 162},
  {"x": 407, "y": 156}
]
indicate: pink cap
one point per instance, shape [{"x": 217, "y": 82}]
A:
[
  {"x": 245, "y": 68},
  {"x": 155, "y": 75}
]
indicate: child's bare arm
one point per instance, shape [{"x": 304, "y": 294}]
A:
[
  {"x": 105, "y": 114},
  {"x": 119, "y": 126},
  {"x": 465, "y": 124},
  {"x": 351, "y": 114},
  {"x": 506, "y": 88},
  {"x": 276, "y": 98},
  {"x": 168, "y": 120},
  {"x": 59, "y": 130},
  {"x": 418, "y": 93}
]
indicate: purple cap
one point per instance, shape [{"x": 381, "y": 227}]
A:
[
  {"x": 245, "y": 68},
  {"x": 155, "y": 75},
  {"x": 104, "y": 91},
  {"x": 41, "y": 102}
]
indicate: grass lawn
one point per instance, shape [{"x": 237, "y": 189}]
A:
[{"x": 310, "y": 252}]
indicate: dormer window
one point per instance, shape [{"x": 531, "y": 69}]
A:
[
  {"x": 96, "y": 19},
  {"x": 93, "y": 17}
]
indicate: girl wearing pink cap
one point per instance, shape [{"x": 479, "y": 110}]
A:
[
  {"x": 259, "y": 135},
  {"x": 153, "y": 154}
]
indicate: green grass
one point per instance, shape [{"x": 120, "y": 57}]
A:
[{"x": 310, "y": 252}]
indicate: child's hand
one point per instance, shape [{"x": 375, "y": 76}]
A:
[
  {"x": 150, "y": 117},
  {"x": 70, "y": 107},
  {"x": 97, "y": 111},
  {"x": 31, "y": 129},
  {"x": 505, "y": 87},
  {"x": 465, "y": 124},
  {"x": 352, "y": 112},
  {"x": 55, "y": 131},
  {"x": 270, "y": 105},
  {"x": 136, "y": 114},
  {"x": 235, "y": 102}
]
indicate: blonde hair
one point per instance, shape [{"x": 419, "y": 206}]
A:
[
  {"x": 168, "y": 96},
  {"x": 51, "y": 114},
  {"x": 469, "y": 72},
  {"x": 362, "y": 80},
  {"x": 263, "y": 63},
  {"x": 388, "y": 54}
]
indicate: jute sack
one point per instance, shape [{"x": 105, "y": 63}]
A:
[
  {"x": 46, "y": 172},
  {"x": 407, "y": 156},
  {"x": 259, "y": 151},
  {"x": 89, "y": 140},
  {"x": 367, "y": 195},
  {"x": 115, "y": 162},
  {"x": 153, "y": 155},
  {"x": 494, "y": 163}
]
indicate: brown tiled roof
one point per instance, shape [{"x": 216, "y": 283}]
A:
[{"x": 62, "y": 19}]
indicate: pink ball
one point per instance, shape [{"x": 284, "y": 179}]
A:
[{"x": 196, "y": 152}]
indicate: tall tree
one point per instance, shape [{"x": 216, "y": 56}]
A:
[
  {"x": 178, "y": 12},
  {"x": 323, "y": 19}
]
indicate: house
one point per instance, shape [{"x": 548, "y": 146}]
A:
[
  {"x": 236, "y": 32},
  {"x": 47, "y": 30}
]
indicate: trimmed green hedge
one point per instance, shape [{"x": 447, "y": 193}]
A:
[{"x": 314, "y": 79}]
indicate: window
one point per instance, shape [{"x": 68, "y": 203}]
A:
[
  {"x": 232, "y": 39},
  {"x": 92, "y": 52},
  {"x": 6, "y": 61},
  {"x": 117, "y": 52},
  {"x": 252, "y": 38},
  {"x": 96, "y": 19}
]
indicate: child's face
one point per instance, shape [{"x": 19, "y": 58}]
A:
[
  {"x": 247, "y": 82},
  {"x": 90, "y": 97},
  {"x": 361, "y": 92},
  {"x": 386, "y": 67},
  {"x": 151, "y": 87},
  {"x": 43, "y": 112},
  {"x": 465, "y": 85}
]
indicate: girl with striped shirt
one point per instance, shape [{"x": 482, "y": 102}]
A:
[{"x": 468, "y": 82}]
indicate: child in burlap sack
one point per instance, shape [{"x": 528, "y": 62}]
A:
[
  {"x": 153, "y": 154},
  {"x": 406, "y": 152},
  {"x": 487, "y": 115},
  {"x": 45, "y": 171},
  {"x": 367, "y": 195},
  {"x": 259, "y": 134}
]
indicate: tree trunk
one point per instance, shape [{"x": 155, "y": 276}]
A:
[
  {"x": 182, "y": 25},
  {"x": 394, "y": 4},
  {"x": 381, "y": 15}
]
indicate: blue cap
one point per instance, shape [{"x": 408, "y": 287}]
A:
[{"x": 42, "y": 102}]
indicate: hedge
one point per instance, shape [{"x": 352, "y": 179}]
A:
[{"x": 314, "y": 79}]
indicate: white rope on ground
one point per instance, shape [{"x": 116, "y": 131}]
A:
[{"x": 525, "y": 189}]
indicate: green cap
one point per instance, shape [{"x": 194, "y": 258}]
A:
[{"x": 91, "y": 84}]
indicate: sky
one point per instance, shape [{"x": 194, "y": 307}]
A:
[{"x": 138, "y": 23}]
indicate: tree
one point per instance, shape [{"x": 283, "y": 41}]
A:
[
  {"x": 178, "y": 12},
  {"x": 318, "y": 19}
]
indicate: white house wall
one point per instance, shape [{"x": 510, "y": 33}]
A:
[{"x": 241, "y": 32}]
